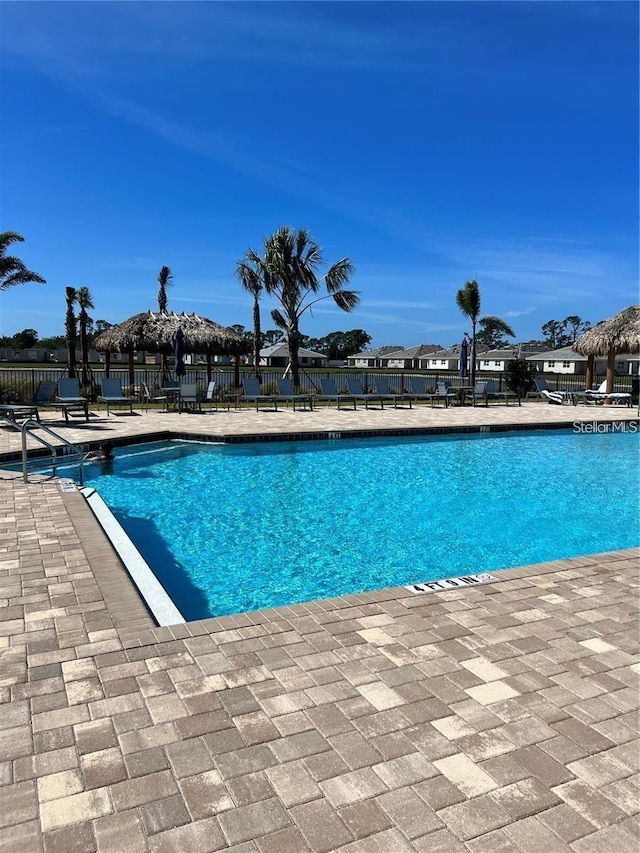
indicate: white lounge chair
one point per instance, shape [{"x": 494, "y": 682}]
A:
[{"x": 599, "y": 395}]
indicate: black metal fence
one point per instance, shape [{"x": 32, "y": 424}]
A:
[{"x": 18, "y": 384}]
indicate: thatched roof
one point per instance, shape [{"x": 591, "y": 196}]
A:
[
  {"x": 154, "y": 331},
  {"x": 617, "y": 334}
]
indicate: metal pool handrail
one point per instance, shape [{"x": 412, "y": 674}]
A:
[{"x": 28, "y": 428}]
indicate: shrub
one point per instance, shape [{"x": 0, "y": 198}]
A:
[{"x": 519, "y": 376}]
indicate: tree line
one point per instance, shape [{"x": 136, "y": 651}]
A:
[{"x": 289, "y": 267}]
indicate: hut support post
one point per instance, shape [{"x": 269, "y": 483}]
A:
[
  {"x": 209, "y": 370},
  {"x": 611, "y": 363},
  {"x": 132, "y": 375},
  {"x": 236, "y": 371},
  {"x": 107, "y": 364},
  {"x": 590, "y": 365}
]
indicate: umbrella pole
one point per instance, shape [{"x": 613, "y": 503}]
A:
[{"x": 209, "y": 370}]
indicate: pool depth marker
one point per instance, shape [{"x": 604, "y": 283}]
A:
[{"x": 450, "y": 583}]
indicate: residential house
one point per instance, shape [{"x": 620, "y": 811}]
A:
[
  {"x": 278, "y": 356},
  {"x": 566, "y": 361},
  {"x": 498, "y": 359},
  {"x": 413, "y": 358},
  {"x": 371, "y": 357}
]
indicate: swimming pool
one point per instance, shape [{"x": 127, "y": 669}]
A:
[{"x": 235, "y": 527}]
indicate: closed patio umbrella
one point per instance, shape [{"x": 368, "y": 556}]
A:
[
  {"x": 178, "y": 351},
  {"x": 464, "y": 354}
]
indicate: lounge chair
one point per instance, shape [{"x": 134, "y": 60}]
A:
[
  {"x": 112, "y": 394},
  {"x": 189, "y": 399},
  {"x": 355, "y": 389},
  {"x": 69, "y": 398},
  {"x": 478, "y": 392},
  {"x": 493, "y": 392},
  {"x": 287, "y": 393},
  {"x": 383, "y": 389},
  {"x": 599, "y": 395},
  {"x": 43, "y": 397},
  {"x": 416, "y": 386},
  {"x": 542, "y": 385},
  {"x": 555, "y": 397},
  {"x": 329, "y": 392},
  {"x": 252, "y": 391},
  {"x": 15, "y": 411}
]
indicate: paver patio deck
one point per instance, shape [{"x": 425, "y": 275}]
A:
[{"x": 497, "y": 718}]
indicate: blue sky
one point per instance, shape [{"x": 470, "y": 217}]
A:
[{"x": 430, "y": 142}]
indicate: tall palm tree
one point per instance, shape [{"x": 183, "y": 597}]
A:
[
  {"x": 71, "y": 329},
  {"x": 12, "y": 270},
  {"x": 165, "y": 279},
  {"x": 468, "y": 301},
  {"x": 83, "y": 298},
  {"x": 289, "y": 271},
  {"x": 250, "y": 273}
]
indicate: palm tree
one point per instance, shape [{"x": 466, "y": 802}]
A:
[
  {"x": 165, "y": 279},
  {"x": 83, "y": 298},
  {"x": 71, "y": 329},
  {"x": 12, "y": 270},
  {"x": 468, "y": 301},
  {"x": 249, "y": 272},
  {"x": 288, "y": 270}
]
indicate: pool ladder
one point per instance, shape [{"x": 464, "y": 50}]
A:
[{"x": 28, "y": 428}]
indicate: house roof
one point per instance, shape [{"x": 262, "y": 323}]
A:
[
  {"x": 416, "y": 351},
  {"x": 376, "y": 353},
  {"x": 282, "y": 350},
  {"x": 454, "y": 352},
  {"x": 562, "y": 354},
  {"x": 517, "y": 351}
]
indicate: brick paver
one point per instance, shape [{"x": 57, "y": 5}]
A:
[{"x": 498, "y": 718}]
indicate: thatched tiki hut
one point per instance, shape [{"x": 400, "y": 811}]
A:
[
  {"x": 610, "y": 337},
  {"x": 155, "y": 331}
]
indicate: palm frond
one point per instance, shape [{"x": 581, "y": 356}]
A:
[
  {"x": 278, "y": 318},
  {"x": 347, "y": 300},
  {"x": 7, "y": 238},
  {"x": 339, "y": 275},
  {"x": 24, "y": 276},
  {"x": 12, "y": 270}
]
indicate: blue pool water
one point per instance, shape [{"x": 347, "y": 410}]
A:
[{"x": 229, "y": 528}]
